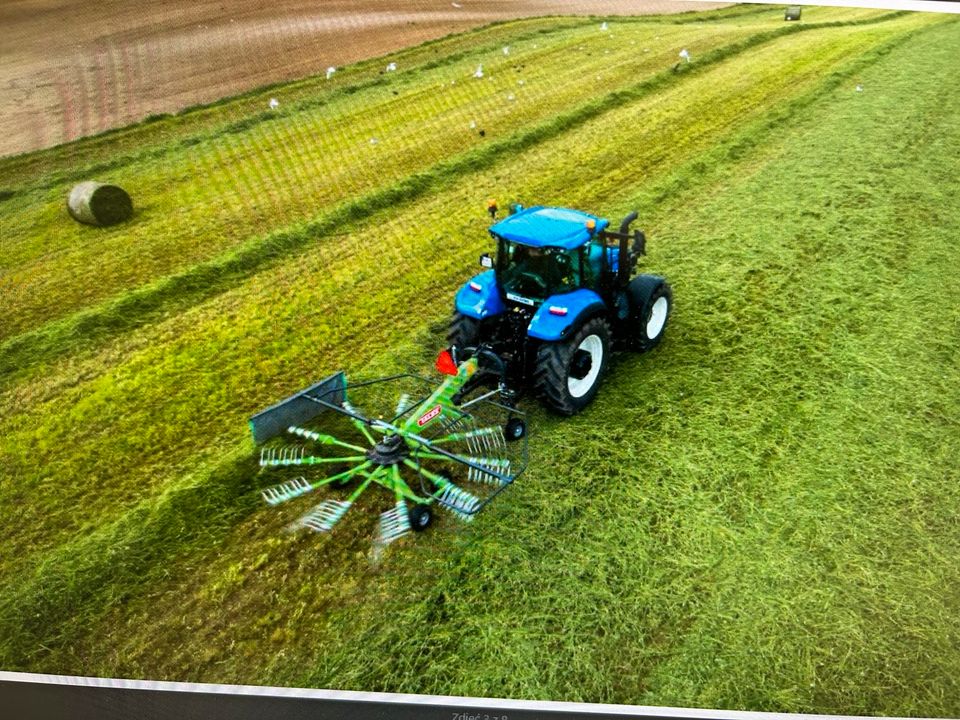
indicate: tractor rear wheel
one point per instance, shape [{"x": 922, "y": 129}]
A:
[
  {"x": 464, "y": 331},
  {"x": 651, "y": 301},
  {"x": 568, "y": 373}
]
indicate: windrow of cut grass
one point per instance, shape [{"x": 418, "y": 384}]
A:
[
  {"x": 222, "y": 359},
  {"x": 270, "y": 169},
  {"x": 206, "y": 278},
  {"x": 164, "y": 133}
]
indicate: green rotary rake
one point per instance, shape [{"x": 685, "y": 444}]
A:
[{"x": 427, "y": 446}]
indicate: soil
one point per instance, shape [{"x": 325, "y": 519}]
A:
[{"x": 70, "y": 68}]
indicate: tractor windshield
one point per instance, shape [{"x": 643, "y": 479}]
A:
[{"x": 537, "y": 272}]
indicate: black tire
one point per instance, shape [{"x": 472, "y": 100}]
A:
[
  {"x": 515, "y": 429},
  {"x": 420, "y": 517},
  {"x": 559, "y": 364},
  {"x": 651, "y": 300},
  {"x": 463, "y": 331}
]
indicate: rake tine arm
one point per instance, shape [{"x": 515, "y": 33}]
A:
[
  {"x": 322, "y": 439},
  {"x": 467, "y": 435},
  {"x": 371, "y": 477},
  {"x": 432, "y": 476},
  {"x": 308, "y": 460},
  {"x": 403, "y": 490},
  {"x": 426, "y": 446},
  {"x": 358, "y": 470}
]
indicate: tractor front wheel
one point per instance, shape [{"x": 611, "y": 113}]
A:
[
  {"x": 651, "y": 301},
  {"x": 568, "y": 373},
  {"x": 464, "y": 331}
]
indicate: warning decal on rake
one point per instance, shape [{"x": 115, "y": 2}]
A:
[{"x": 428, "y": 416}]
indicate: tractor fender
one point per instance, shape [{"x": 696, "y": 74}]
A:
[
  {"x": 552, "y": 326},
  {"x": 479, "y": 298}
]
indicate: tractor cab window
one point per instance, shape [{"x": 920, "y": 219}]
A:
[{"x": 538, "y": 272}]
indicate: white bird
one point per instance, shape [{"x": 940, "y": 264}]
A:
[
  {"x": 330, "y": 71},
  {"x": 859, "y": 88},
  {"x": 274, "y": 103},
  {"x": 521, "y": 83},
  {"x": 603, "y": 27},
  {"x": 684, "y": 55},
  {"x": 473, "y": 124},
  {"x": 373, "y": 141},
  {"x": 506, "y": 49},
  {"x": 391, "y": 67},
  {"x": 456, "y": 5},
  {"x": 478, "y": 73},
  {"x": 511, "y": 97}
]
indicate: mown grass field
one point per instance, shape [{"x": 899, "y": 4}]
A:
[{"x": 760, "y": 514}]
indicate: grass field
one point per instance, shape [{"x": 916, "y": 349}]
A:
[{"x": 760, "y": 514}]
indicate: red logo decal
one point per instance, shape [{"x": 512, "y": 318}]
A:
[{"x": 428, "y": 416}]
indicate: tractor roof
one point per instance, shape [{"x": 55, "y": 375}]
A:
[{"x": 541, "y": 226}]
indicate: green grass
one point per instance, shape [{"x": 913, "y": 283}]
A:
[
  {"x": 129, "y": 401},
  {"x": 58, "y": 268},
  {"x": 760, "y": 514}
]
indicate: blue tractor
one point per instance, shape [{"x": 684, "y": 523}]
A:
[{"x": 560, "y": 295}]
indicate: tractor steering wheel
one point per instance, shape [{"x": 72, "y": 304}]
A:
[{"x": 539, "y": 281}]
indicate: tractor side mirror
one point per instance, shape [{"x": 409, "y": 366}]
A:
[{"x": 486, "y": 261}]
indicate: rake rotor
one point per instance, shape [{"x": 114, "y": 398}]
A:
[{"x": 427, "y": 450}]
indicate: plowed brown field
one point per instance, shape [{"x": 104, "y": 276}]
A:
[{"x": 70, "y": 68}]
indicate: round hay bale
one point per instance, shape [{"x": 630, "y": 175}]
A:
[{"x": 98, "y": 204}]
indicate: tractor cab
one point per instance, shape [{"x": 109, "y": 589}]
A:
[{"x": 544, "y": 251}]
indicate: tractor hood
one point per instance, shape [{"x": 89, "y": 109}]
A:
[{"x": 541, "y": 226}]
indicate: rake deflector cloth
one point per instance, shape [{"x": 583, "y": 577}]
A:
[{"x": 399, "y": 433}]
